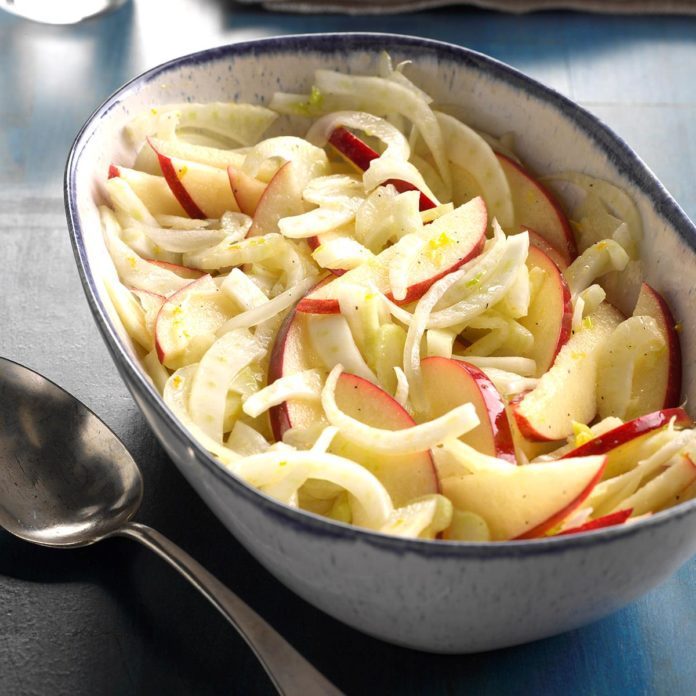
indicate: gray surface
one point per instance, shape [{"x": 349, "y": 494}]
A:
[{"x": 112, "y": 619}]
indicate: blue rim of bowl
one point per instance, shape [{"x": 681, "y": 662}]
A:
[{"x": 620, "y": 154}]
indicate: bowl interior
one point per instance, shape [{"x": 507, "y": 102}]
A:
[{"x": 551, "y": 133}]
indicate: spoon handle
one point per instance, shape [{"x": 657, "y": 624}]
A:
[{"x": 290, "y": 673}]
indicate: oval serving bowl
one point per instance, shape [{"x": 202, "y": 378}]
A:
[{"x": 439, "y": 596}]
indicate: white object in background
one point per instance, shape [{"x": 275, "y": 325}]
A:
[{"x": 59, "y": 11}]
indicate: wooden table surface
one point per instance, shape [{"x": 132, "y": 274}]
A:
[{"x": 113, "y": 619}]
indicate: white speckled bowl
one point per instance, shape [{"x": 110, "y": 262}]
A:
[{"x": 437, "y": 596}]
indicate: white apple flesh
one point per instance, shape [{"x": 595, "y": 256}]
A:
[
  {"x": 281, "y": 198},
  {"x": 186, "y": 324},
  {"x": 203, "y": 191},
  {"x": 247, "y": 190},
  {"x": 292, "y": 352},
  {"x": 523, "y": 502},
  {"x": 449, "y": 383},
  {"x": 152, "y": 190},
  {"x": 406, "y": 476},
  {"x": 536, "y": 240},
  {"x": 667, "y": 376},
  {"x": 182, "y": 271},
  {"x": 361, "y": 155},
  {"x": 567, "y": 392},
  {"x": 655, "y": 493}
]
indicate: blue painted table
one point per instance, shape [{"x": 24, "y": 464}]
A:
[{"x": 113, "y": 619}]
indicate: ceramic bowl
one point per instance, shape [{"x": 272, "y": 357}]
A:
[{"x": 438, "y": 596}]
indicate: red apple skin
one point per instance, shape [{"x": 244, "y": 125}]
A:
[
  {"x": 361, "y": 155},
  {"x": 527, "y": 430},
  {"x": 674, "y": 379},
  {"x": 182, "y": 271},
  {"x": 539, "y": 258},
  {"x": 536, "y": 240},
  {"x": 283, "y": 178},
  {"x": 289, "y": 354},
  {"x": 630, "y": 430},
  {"x": 246, "y": 190},
  {"x": 570, "y": 250},
  {"x": 610, "y": 520},
  {"x": 177, "y": 188},
  {"x": 114, "y": 171},
  {"x": 491, "y": 409},
  {"x": 288, "y": 334},
  {"x": 413, "y": 292},
  {"x": 552, "y": 521}
]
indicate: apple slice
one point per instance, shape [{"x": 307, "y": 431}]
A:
[
  {"x": 147, "y": 160},
  {"x": 153, "y": 191},
  {"x": 292, "y": 352},
  {"x": 627, "y": 432},
  {"x": 182, "y": 271},
  {"x": 536, "y": 240},
  {"x": 623, "y": 444},
  {"x": 132, "y": 269},
  {"x": 535, "y": 207},
  {"x": 247, "y": 190},
  {"x": 655, "y": 493},
  {"x": 523, "y": 502},
  {"x": 203, "y": 191},
  {"x": 281, "y": 198},
  {"x": 186, "y": 324},
  {"x": 406, "y": 477},
  {"x": 666, "y": 377},
  {"x": 449, "y": 383},
  {"x": 550, "y": 315},
  {"x": 151, "y": 303},
  {"x": 360, "y": 154},
  {"x": 567, "y": 392},
  {"x": 610, "y": 520},
  {"x": 631, "y": 369},
  {"x": 456, "y": 237},
  {"x": 682, "y": 496},
  {"x": 527, "y": 450}
]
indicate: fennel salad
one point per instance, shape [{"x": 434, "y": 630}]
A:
[{"x": 387, "y": 320}]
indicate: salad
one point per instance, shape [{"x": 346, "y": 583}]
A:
[{"x": 371, "y": 311}]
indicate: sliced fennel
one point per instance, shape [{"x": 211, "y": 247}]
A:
[
  {"x": 176, "y": 395},
  {"x": 615, "y": 198},
  {"x": 266, "y": 311},
  {"x": 211, "y": 382},
  {"x": 396, "y": 144},
  {"x": 383, "y": 96},
  {"x": 341, "y": 252},
  {"x": 467, "y": 149},
  {"x": 371, "y": 503},
  {"x": 418, "y": 438},
  {"x": 300, "y": 385}
]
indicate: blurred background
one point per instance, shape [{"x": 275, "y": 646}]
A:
[{"x": 113, "y": 619}]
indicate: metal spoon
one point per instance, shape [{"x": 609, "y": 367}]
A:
[{"x": 66, "y": 480}]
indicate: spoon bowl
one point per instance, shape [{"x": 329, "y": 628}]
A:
[{"x": 66, "y": 480}]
